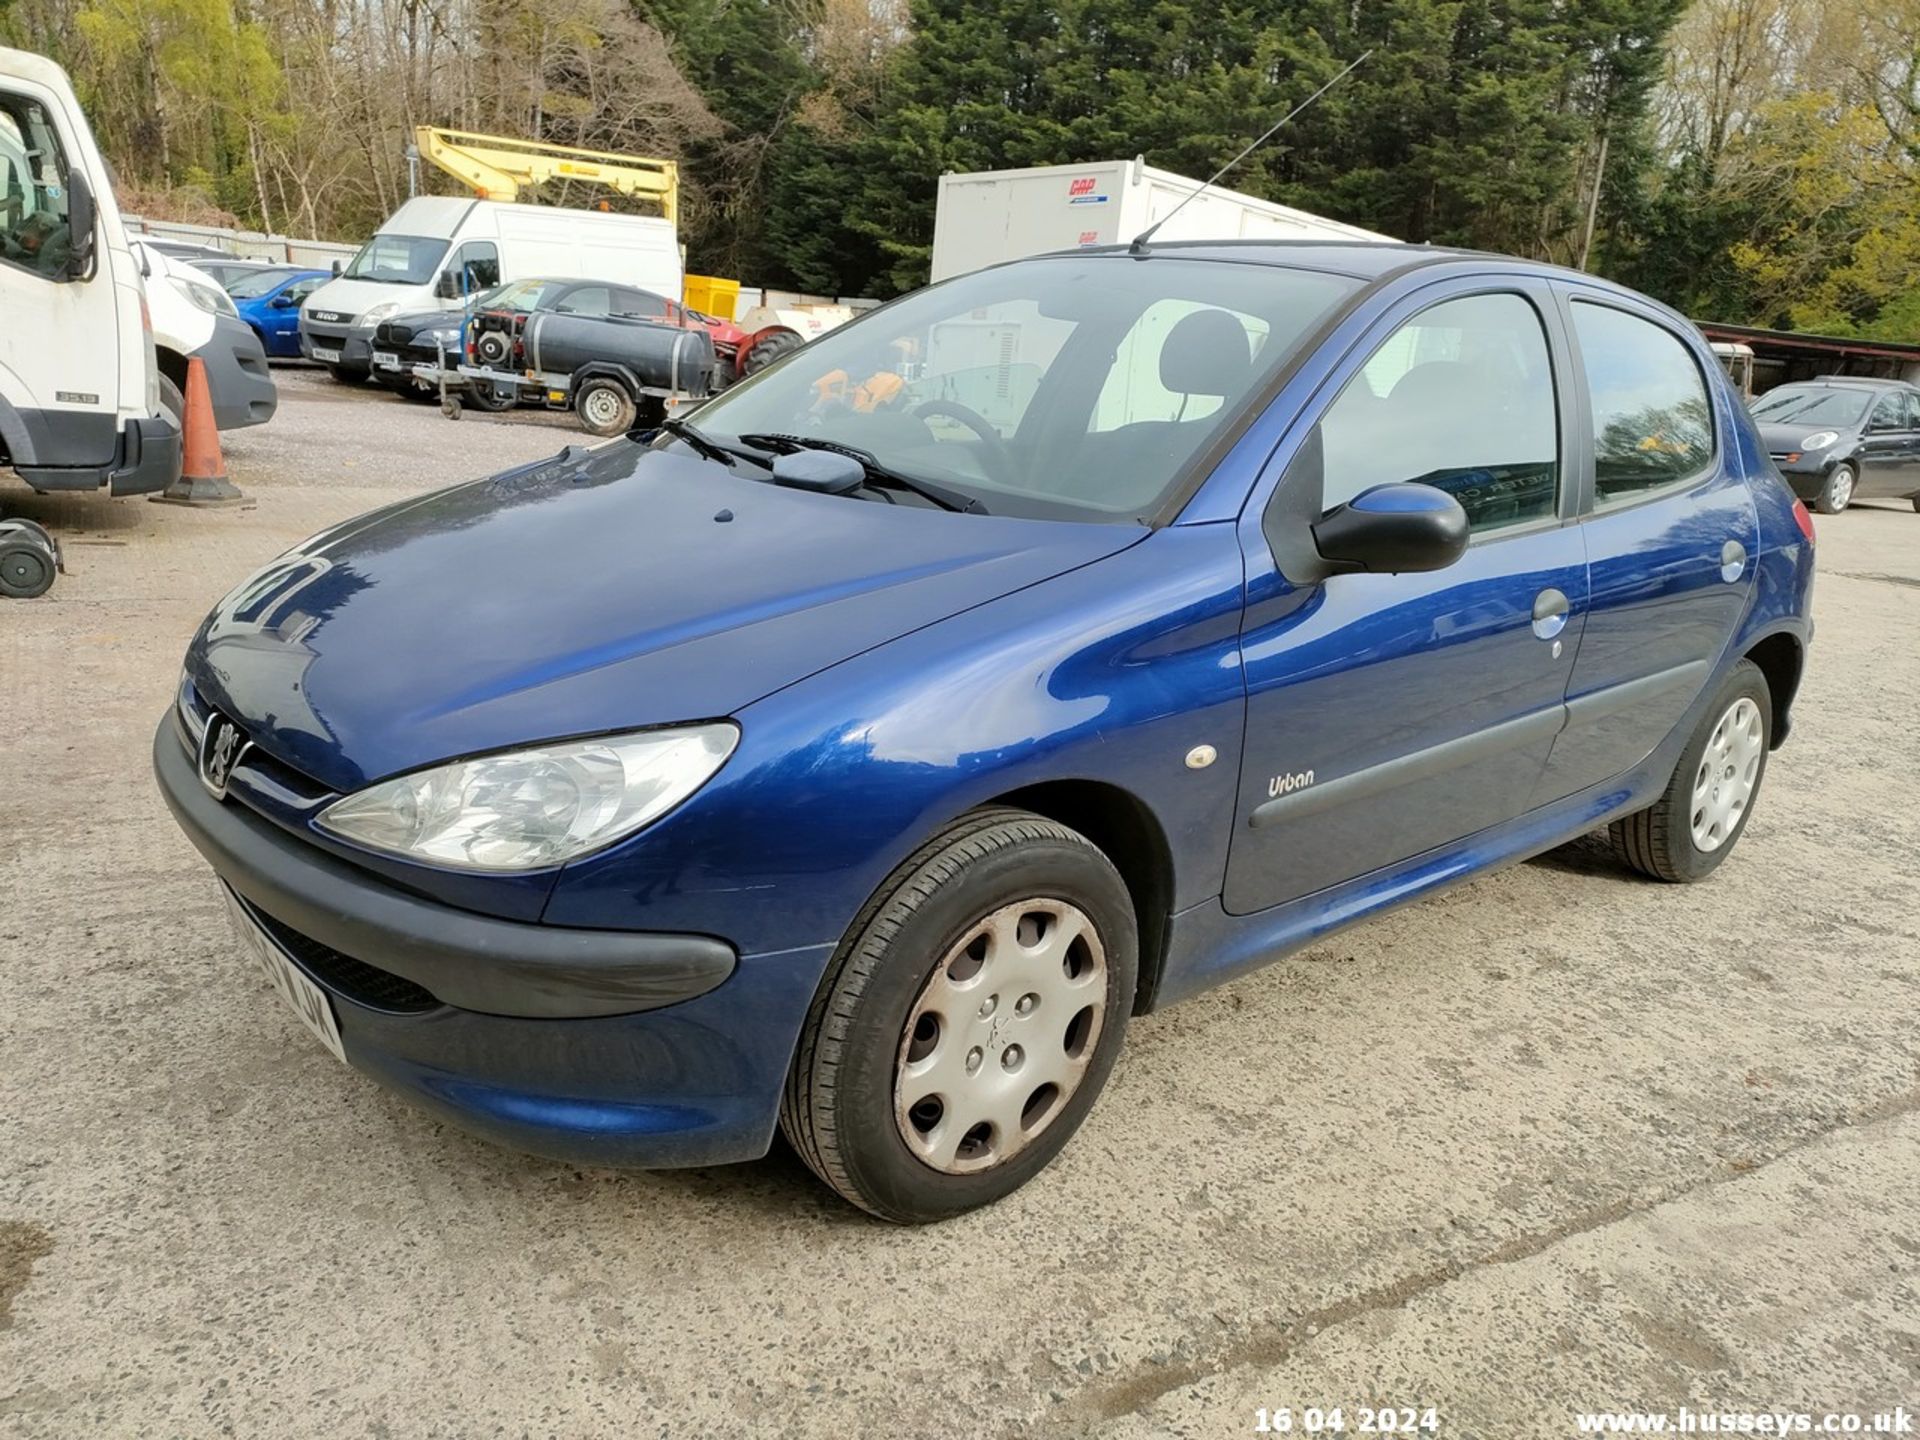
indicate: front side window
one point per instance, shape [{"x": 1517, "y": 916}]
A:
[
  {"x": 34, "y": 232},
  {"x": 641, "y": 305},
  {"x": 255, "y": 283},
  {"x": 1076, "y": 387},
  {"x": 397, "y": 260},
  {"x": 476, "y": 266},
  {"x": 1888, "y": 414},
  {"x": 585, "y": 300},
  {"x": 1461, "y": 397},
  {"x": 1652, "y": 421}
]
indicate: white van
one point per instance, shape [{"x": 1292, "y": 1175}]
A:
[
  {"x": 193, "y": 318},
  {"x": 80, "y": 391},
  {"x": 434, "y": 251}
]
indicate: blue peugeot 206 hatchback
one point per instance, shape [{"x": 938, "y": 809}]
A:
[{"x": 857, "y": 755}]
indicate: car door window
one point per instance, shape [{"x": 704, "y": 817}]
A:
[
  {"x": 1652, "y": 420},
  {"x": 33, "y": 188},
  {"x": 1889, "y": 413},
  {"x": 586, "y": 300},
  {"x": 477, "y": 264},
  {"x": 639, "y": 305},
  {"x": 1461, "y": 397}
]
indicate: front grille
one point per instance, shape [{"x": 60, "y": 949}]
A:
[{"x": 360, "y": 982}]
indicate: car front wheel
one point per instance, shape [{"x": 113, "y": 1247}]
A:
[
  {"x": 968, "y": 1022},
  {"x": 1689, "y": 830},
  {"x": 1837, "y": 493}
]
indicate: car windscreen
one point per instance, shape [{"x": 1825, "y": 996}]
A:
[
  {"x": 521, "y": 296},
  {"x": 397, "y": 259},
  {"x": 1823, "y": 405},
  {"x": 258, "y": 282},
  {"x": 1071, "y": 387}
]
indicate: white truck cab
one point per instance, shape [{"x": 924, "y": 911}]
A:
[
  {"x": 435, "y": 251},
  {"x": 80, "y": 394}
]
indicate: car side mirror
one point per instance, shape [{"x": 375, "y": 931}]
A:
[
  {"x": 446, "y": 285},
  {"x": 80, "y": 226},
  {"x": 283, "y": 302},
  {"x": 1393, "y": 529}
]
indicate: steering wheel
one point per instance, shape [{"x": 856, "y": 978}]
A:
[{"x": 996, "y": 447}]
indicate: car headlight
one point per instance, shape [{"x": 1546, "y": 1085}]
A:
[
  {"x": 378, "y": 313},
  {"x": 530, "y": 809},
  {"x": 1820, "y": 440},
  {"x": 446, "y": 337},
  {"x": 209, "y": 298}
]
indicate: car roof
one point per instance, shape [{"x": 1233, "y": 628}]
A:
[
  {"x": 1844, "y": 382},
  {"x": 1361, "y": 259}
]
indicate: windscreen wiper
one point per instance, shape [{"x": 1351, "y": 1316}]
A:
[
  {"x": 704, "y": 444},
  {"x": 879, "y": 477}
]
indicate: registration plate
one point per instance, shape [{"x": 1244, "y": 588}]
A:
[
  {"x": 306, "y": 999},
  {"x": 386, "y": 361},
  {"x": 328, "y": 357}
]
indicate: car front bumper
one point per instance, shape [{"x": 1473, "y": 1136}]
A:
[
  {"x": 238, "y": 380},
  {"x": 355, "y": 347},
  {"x": 596, "y": 1047}
]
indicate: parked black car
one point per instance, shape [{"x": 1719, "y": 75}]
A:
[{"x": 1839, "y": 438}]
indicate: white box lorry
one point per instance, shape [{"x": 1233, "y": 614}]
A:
[
  {"x": 435, "y": 251},
  {"x": 81, "y": 403},
  {"x": 988, "y": 216}
]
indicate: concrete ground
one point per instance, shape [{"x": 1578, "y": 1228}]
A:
[{"x": 1560, "y": 1140}]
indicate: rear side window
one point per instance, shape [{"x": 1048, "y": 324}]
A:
[
  {"x": 1652, "y": 421},
  {"x": 1461, "y": 397},
  {"x": 585, "y": 300}
]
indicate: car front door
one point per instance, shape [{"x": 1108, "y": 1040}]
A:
[
  {"x": 1889, "y": 464},
  {"x": 1671, "y": 538},
  {"x": 1388, "y": 714}
]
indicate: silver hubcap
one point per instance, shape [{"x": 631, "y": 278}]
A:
[
  {"x": 603, "y": 407},
  {"x": 1001, "y": 1036},
  {"x": 1841, "y": 490},
  {"x": 1723, "y": 785}
]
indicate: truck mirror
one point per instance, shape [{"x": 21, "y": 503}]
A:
[
  {"x": 446, "y": 285},
  {"x": 80, "y": 226},
  {"x": 336, "y": 267}
]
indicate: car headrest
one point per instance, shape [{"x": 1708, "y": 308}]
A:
[{"x": 1206, "y": 353}]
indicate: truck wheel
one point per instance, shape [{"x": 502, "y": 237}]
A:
[
  {"x": 604, "y": 406},
  {"x": 173, "y": 403},
  {"x": 967, "y": 1023},
  {"x": 768, "y": 350}
]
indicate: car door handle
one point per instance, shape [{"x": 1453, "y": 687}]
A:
[
  {"x": 1550, "y": 609},
  {"x": 1733, "y": 561}
]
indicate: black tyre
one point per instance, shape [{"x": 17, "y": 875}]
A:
[
  {"x": 1916, "y": 504},
  {"x": 173, "y": 402},
  {"x": 1685, "y": 834},
  {"x": 766, "y": 351},
  {"x": 1837, "y": 493},
  {"x": 26, "y": 561},
  {"x": 348, "y": 374},
  {"x": 604, "y": 406},
  {"x": 968, "y": 1021}
]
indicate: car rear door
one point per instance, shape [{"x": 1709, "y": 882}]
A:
[
  {"x": 1390, "y": 714},
  {"x": 1671, "y": 535}
]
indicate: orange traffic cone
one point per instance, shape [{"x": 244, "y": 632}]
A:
[{"x": 203, "y": 474}]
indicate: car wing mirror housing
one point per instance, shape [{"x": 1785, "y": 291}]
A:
[
  {"x": 80, "y": 226},
  {"x": 1393, "y": 529}
]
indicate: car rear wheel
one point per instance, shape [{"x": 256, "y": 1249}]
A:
[
  {"x": 1686, "y": 833},
  {"x": 968, "y": 1022},
  {"x": 1837, "y": 493},
  {"x": 604, "y": 406}
]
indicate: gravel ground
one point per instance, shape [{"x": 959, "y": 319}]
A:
[{"x": 1558, "y": 1140}]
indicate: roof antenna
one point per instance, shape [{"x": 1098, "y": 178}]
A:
[{"x": 1139, "y": 245}]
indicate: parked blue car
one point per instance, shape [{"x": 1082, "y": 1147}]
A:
[
  {"x": 269, "y": 301},
  {"x": 859, "y": 755}
]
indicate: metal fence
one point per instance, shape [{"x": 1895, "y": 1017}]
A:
[{"x": 320, "y": 254}]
